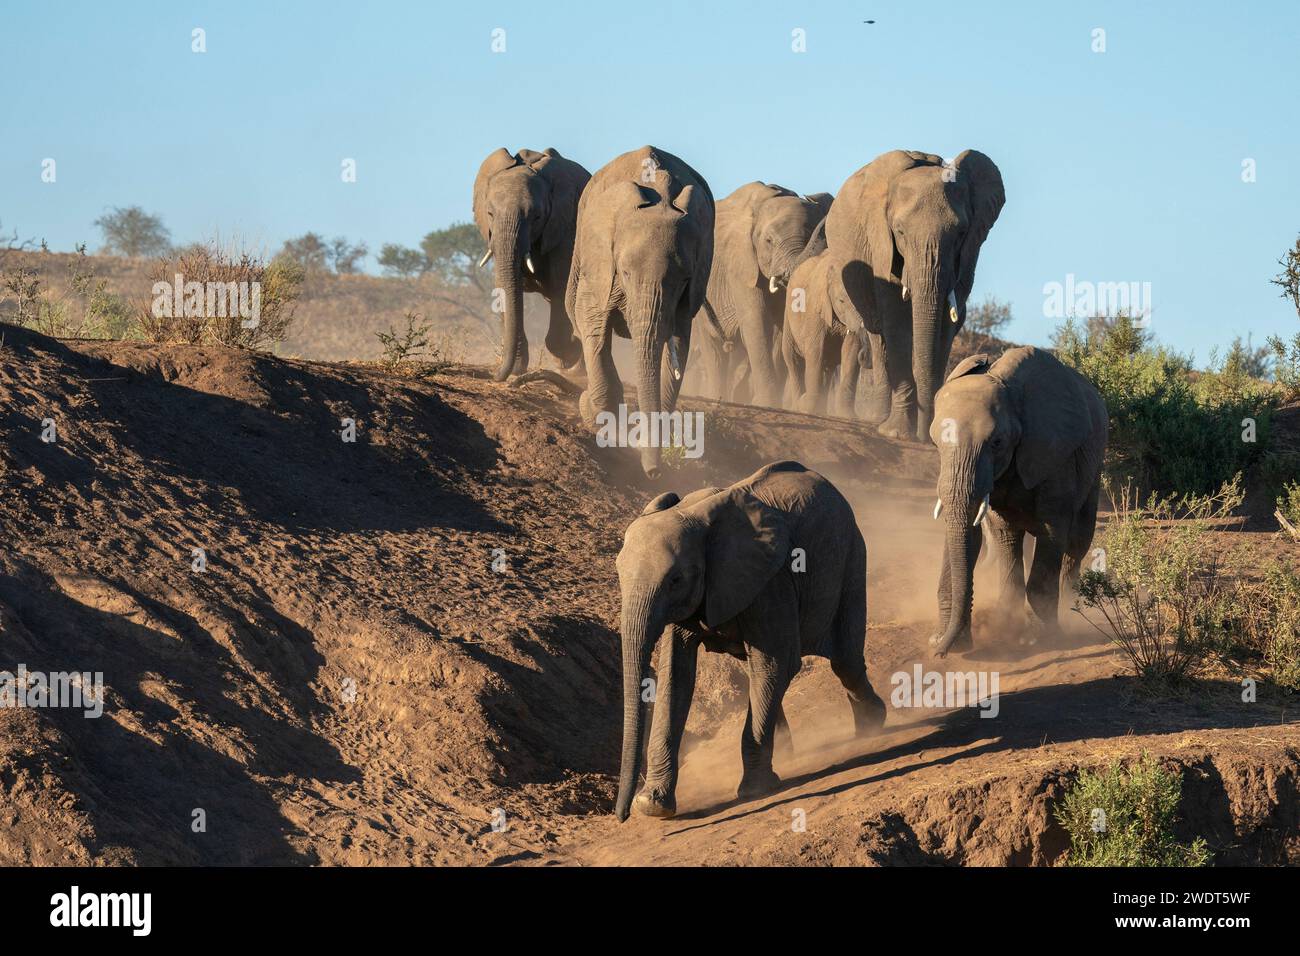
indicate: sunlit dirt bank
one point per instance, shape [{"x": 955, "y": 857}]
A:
[{"x": 403, "y": 648}]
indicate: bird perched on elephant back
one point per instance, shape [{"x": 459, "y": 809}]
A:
[
  {"x": 526, "y": 208},
  {"x": 760, "y": 234},
  {"x": 640, "y": 270},
  {"x": 905, "y": 234},
  {"x": 815, "y": 343},
  {"x": 1020, "y": 445},
  {"x": 768, "y": 570}
]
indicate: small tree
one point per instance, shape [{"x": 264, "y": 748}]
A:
[
  {"x": 988, "y": 318},
  {"x": 398, "y": 260},
  {"x": 132, "y": 232},
  {"x": 453, "y": 254},
  {"x": 1288, "y": 280},
  {"x": 343, "y": 256},
  {"x": 309, "y": 252}
]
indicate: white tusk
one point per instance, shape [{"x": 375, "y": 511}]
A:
[
  {"x": 938, "y": 508},
  {"x": 952, "y": 306},
  {"x": 907, "y": 293},
  {"x": 771, "y": 284},
  {"x": 484, "y": 261},
  {"x": 979, "y": 515},
  {"x": 673, "y": 362},
  {"x": 528, "y": 261}
]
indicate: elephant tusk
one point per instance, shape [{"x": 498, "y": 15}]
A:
[
  {"x": 484, "y": 261},
  {"x": 952, "y": 306},
  {"x": 979, "y": 515},
  {"x": 938, "y": 508},
  {"x": 528, "y": 261},
  {"x": 771, "y": 284},
  {"x": 907, "y": 293},
  {"x": 673, "y": 361}
]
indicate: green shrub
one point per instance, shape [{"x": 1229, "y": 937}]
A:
[
  {"x": 1171, "y": 430},
  {"x": 1124, "y": 816}
]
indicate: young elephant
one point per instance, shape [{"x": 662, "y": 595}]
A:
[
  {"x": 1020, "y": 444},
  {"x": 719, "y": 568},
  {"x": 814, "y": 343}
]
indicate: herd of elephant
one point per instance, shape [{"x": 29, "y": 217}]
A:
[
  {"x": 792, "y": 294},
  {"x": 774, "y": 568}
]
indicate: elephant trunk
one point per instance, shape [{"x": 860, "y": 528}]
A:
[
  {"x": 963, "y": 492},
  {"x": 639, "y": 632},
  {"x": 648, "y": 324},
  {"x": 510, "y": 244},
  {"x": 929, "y": 356}
]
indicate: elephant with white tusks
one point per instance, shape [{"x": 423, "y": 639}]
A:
[
  {"x": 1020, "y": 445},
  {"x": 768, "y": 570}
]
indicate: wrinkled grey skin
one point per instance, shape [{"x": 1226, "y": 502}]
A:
[
  {"x": 1028, "y": 432},
  {"x": 815, "y": 344},
  {"x": 906, "y": 221},
  {"x": 715, "y": 569},
  {"x": 760, "y": 235},
  {"x": 526, "y": 206},
  {"x": 640, "y": 270}
]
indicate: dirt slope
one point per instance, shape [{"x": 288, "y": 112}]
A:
[{"x": 350, "y": 681}]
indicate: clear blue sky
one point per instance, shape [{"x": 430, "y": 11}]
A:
[{"x": 1119, "y": 166}]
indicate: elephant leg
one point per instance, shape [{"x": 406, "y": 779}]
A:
[
  {"x": 1045, "y": 581},
  {"x": 678, "y": 653},
  {"x": 897, "y": 333},
  {"x": 1008, "y": 545},
  {"x": 793, "y": 369},
  {"x": 846, "y": 391},
  {"x": 604, "y": 390},
  {"x": 560, "y": 340},
  {"x": 770, "y": 630},
  {"x": 814, "y": 375},
  {"x": 1079, "y": 540},
  {"x": 784, "y": 744},
  {"x": 712, "y": 366},
  {"x": 876, "y": 408}
]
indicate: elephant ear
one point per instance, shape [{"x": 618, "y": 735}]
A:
[
  {"x": 987, "y": 196},
  {"x": 734, "y": 241},
  {"x": 496, "y": 161},
  {"x": 567, "y": 180},
  {"x": 746, "y": 543},
  {"x": 878, "y": 177},
  {"x": 971, "y": 365},
  {"x": 822, "y": 201},
  {"x": 1055, "y": 413},
  {"x": 696, "y": 206},
  {"x": 830, "y": 313},
  {"x": 661, "y": 503}
]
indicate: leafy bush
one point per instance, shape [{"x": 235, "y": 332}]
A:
[
  {"x": 1124, "y": 816},
  {"x": 1161, "y": 590},
  {"x": 274, "y": 288},
  {"x": 87, "y": 310},
  {"x": 1171, "y": 430},
  {"x": 1268, "y": 618},
  {"x": 401, "y": 347}
]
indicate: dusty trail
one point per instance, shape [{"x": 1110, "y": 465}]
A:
[{"x": 352, "y": 681}]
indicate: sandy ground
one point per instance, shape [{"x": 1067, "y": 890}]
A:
[{"x": 397, "y": 641}]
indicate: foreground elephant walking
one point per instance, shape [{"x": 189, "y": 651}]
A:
[
  {"x": 1020, "y": 445},
  {"x": 769, "y": 570},
  {"x": 526, "y": 208},
  {"x": 640, "y": 270}
]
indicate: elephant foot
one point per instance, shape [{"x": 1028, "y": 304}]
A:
[
  {"x": 587, "y": 409},
  {"x": 868, "y": 715},
  {"x": 650, "y": 803},
  {"x": 758, "y": 783},
  {"x": 897, "y": 425}
]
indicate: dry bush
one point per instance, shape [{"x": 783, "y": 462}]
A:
[
  {"x": 203, "y": 319},
  {"x": 83, "y": 307}
]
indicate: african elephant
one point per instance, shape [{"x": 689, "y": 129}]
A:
[
  {"x": 814, "y": 342},
  {"x": 768, "y": 570},
  {"x": 760, "y": 234},
  {"x": 640, "y": 269},
  {"x": 526, "y": 207},
  {"x": 1020, "y": 445},
  {"x": 905, "y": 234}
]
